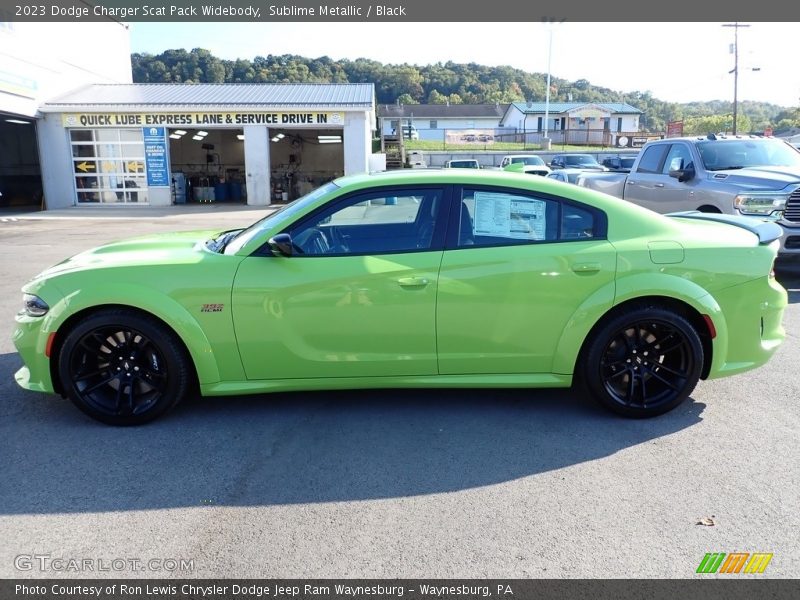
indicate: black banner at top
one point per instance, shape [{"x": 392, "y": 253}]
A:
[{"x": 397, "y": 11}]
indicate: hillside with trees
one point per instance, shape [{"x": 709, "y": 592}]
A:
[{"x": 455, "y": 83}]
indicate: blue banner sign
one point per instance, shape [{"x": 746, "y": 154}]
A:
[{"x": 155, "y": 155}]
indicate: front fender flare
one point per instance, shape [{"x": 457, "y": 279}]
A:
[{"x": 150, "y": 301}]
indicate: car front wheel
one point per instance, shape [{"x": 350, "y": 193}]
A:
[
  {"x": 643, "y": 362},
  {"x": 123, "y": 368}
]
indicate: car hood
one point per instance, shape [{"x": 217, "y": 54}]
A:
[
  {"x": 758, "y": 178},
  {"x": 164, "y": 248}
]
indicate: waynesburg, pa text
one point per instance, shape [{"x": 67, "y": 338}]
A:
[{"x": 249, "y": 590}]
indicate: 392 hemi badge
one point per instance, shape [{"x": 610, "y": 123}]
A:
[{"x": 212, "y": 307}]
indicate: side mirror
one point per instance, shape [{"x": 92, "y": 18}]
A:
[
  {"x": 682, "y": 174},
  {"x": 282, "y": 244}
]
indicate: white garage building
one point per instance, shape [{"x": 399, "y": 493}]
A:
[{"x": 160, "y": 144}]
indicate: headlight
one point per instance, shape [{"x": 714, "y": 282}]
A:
[
  {"x": 760, "y": 203},
  {"x": 34, "y": 306}
]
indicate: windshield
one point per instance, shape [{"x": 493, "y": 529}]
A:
[
  {"x": 527, "y": 160},
  {"x": 235, "y": 244},
  {"x": 719, "y": 155},
  {"x": 627, "y": 163},
  {"x": 580, "y": 159}
]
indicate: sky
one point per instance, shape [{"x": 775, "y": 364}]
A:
[{"x": 676, "y": 62}]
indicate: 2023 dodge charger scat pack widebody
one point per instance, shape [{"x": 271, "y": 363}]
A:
[{"x": 424, "y": 279}]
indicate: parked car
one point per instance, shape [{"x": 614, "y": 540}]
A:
[
  {"x": 741, "y": 175},
  {"x": 576, "y": 161},
  {"x": 567, "y": 175},
  {"x": 406, "y": 279},
  {"x": 526, "y": 163},
  {"x": 619, "y": 163},
  {"x": 462, "y": 163}
]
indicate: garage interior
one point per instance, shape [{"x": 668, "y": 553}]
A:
[
  {"x": 301, "y": 160},
  {"x": 207, "y": 165},
  {"x": 20, "y": 171}
]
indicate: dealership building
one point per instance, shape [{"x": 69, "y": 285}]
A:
[
  {"x": 76, "y": 131},
  {"x": 39, "y": 61},
  {"x": 162, "y": 144}
]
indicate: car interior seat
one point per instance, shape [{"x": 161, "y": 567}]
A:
[{"x": 466, "y": 233}]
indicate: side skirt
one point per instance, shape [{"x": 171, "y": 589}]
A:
[{"x": 541, "y": 380}]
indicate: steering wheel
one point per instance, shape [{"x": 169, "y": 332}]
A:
[
  {"x": 337, "y": 243},
  {"x": 313, "y": 241}
]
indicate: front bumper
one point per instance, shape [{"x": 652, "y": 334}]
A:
[
  {"x": 790, "y": 241},
  {"x": 30, "y": 340}
]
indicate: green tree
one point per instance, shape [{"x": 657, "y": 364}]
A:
[
  {"x": 406, "y": 99},
  {"x": 436, "y": 98},
  {"x": 454, "y": 82}
]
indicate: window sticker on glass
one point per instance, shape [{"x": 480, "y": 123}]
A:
[{"x": 506, "y": 215}]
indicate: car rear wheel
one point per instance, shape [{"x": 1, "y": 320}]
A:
[
  {"x": 643, "y": 362},
  {"x": 123, "y": 368}
]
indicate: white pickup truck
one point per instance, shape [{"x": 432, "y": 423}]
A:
[{"x": 738, "y": 175}]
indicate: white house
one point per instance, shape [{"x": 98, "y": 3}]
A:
[
  {"x": 443, "y": 121},
  {"x": 573, "y": 122}
]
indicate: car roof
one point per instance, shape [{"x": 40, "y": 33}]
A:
[
  {"x": 488, "y": 177},
  {"x": 718, "y": 138}
]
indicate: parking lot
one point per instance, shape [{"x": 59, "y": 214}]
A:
[{"x": 407, "y": 483}]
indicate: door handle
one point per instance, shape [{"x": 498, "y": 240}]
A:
[
  {"x": 586, "y": 267},
  {"x": 413, "y": 282},
  {"x": 629, "y": 182},
  {"x": 658, "y": 185}
]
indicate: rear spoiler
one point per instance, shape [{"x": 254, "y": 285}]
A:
[{"x": 767, "y": 231}]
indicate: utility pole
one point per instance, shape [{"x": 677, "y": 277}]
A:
[
  {"x": 735, "y": 71},
  {"x": 546, "y": 140},
  {"x": 549, "y": 23}
]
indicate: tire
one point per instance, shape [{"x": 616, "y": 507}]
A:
[
  {"x": 123, "y": 368},
  {"x": 642, "y": 362}
]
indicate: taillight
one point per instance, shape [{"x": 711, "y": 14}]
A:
[{"x": 772, "y": 271}]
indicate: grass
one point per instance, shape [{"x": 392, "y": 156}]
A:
[{"x": 437, "y": 146}]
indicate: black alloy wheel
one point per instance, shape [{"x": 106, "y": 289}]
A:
[
  {"x": 643, "y": 362},
  {"x": 123, "y": 368}
]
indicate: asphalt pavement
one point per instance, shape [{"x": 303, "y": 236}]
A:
[{"x": 395, "y": 484}]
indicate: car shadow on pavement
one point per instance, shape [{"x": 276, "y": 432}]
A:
[{"x": 300, "y": 447}]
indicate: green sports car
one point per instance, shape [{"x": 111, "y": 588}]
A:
[{"x": 451, "y": 278}]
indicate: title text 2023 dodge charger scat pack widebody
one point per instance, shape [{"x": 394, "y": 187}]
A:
[{"x": 450, "y": 278}]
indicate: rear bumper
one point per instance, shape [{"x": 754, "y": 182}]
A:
[{"x": 753, "y": 313}]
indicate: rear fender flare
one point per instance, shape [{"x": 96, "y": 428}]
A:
[{"x": 650, "y": 286}]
